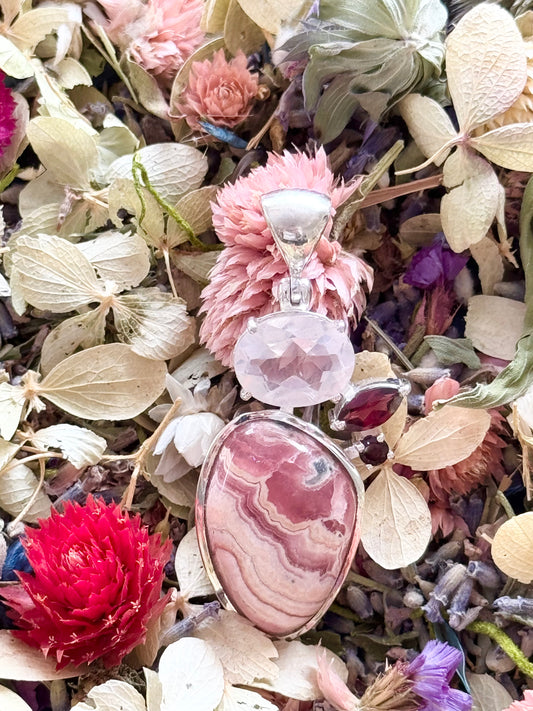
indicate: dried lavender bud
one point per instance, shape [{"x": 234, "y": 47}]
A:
[
  {"x": 462, "y": 596},
  {"x": 376, "y": 600},
  {"x": 449, "y": 583},
  {"x": 448, "y": 551},
  {"x": 514, "y": 606},
  {"x": 460, "y": 620},
  {"x": 185, "y": 627},
  {"x": 413, "y": 599},
  {"x": 443, "y": 592},
  {"x": 359, "y": 602},
  {"x": 484, "y": 573}
]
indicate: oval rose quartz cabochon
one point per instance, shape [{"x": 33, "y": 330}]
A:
[{"x": 277, "y": 520}]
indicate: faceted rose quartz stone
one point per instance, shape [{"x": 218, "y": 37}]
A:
[
  {"x": 277, "y": 520},
  {"x": 294, "y": 359},
  {"x": 370, "y": 405}
]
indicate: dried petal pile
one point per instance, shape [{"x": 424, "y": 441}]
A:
[{"x": 136, "y": 141}]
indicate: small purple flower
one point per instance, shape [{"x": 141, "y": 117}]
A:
[
  {"x": 434, "y": 264},
  {"x": 431, "y": 673}
]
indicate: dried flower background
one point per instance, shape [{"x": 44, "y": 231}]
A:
[{"x": 136, "y": 139}]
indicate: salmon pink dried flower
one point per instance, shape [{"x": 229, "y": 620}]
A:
[
  {"x": 525, "y": 705},
  {"x": 486, "y": 460},
  {"x": 218, "y": 91},
  {"x": 96, "y": 583},
  {"x": 7, "y": 115},
  {"x": 160, "y": 34},
  {"x": 247, "y": 273}
]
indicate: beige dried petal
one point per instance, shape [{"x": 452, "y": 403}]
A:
[
  {"x": 108, "y": 382},
  {"x": 53, "y": 274},
  {"x": 11, "y": 701},
  {"x": 191, "y": 675},
  {"x": 428, "y": 124},
  {"x": 494, "y": 324},
  {"x": 443, "y": 438},
  {"x": 469, "y": 209},
  {"x": 490, "y": 263},
  {"x": 17, "y": 486},
  {"x": 237, "y": 699},
  {"x": 297, "y": 667},
  {"x": 486, "y": 65},
  {"x": 509, "y": 146},
  {"x": 112, "y": 694},
  {"x": 77, "y": 444},
  {"x": 512, "y": 547},
  {"x": 173, "y": 168},
  {"x": 190, "y": 571},
  {"x": 195, "y": 208},
  {"x": 270, "y": 14},
  {"x": 11, "y": 405},
  {"x": 7, "y": 452},
  {"x": 123, "y": 259},
  {"x": 396, "y": 523},
  {"x": 67, "y": 151},
  {"x": 14, "y": 62},
  {"x": 487, "y": 693},
  {"x": 154, "y": 323},
  {"x": 21, "y": 662},
  {"x": 246, "y": 653},
  {"x": 86, "y": 330}
]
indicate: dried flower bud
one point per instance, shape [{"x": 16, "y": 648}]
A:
[
  {"x": 484, "y": 573},
  {"x": 498, "y": 661},
  {"x": 359, "y": 602},
  {"x": 443, "y": 592},
  {"x": 390, "y": 692},
  {"x": 413, "y": 599},
  {"x": 460, "y": 620},
  {"x": 513, "y": 606}
]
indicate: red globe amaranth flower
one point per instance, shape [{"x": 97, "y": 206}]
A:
[
  {"x": 8, "y": 123},
  {"x": 96, "y": 584}
]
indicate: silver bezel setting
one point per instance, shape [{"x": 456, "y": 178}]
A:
[{"x": 203, "y": 484}]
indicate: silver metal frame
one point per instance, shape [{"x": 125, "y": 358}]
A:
[{"x": 203, "y": 482}]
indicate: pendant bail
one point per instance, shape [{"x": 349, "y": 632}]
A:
[{"x": 296, "y": 218}]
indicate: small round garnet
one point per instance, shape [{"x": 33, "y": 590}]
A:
[
  {"x": 374, "y": 452},
  {"x": 370, "y": 405}
]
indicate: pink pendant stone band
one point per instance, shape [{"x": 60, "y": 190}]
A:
[{"x": 277, "y": 520}]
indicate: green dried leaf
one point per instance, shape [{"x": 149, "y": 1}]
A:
[
  {"x": 270, "y": 14},
  {"x": 375, "y": 51},
  {"x": 240, "y": 31},
  {"x": 148, "y": 92},
  {"x": 454, "y": 350}
]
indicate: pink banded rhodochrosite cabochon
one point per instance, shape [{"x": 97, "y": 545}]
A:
[{"x": 277, "y": 516}]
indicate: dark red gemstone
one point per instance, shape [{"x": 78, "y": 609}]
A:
[
  {"x": 371, "y": 405},
  {"x": 374, "y": 452}
]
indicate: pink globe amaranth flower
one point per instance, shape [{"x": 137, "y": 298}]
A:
[
  {"x": 8, "y": 121},
  {"x": 96, "y": 584},
  {"x": 246, "y": 276},
  {"x": 218, "y": 91},
  {"x": 485, "y": 461},
  {"x": 525, "y": 705},
  {"x": 160, "y": 34}
]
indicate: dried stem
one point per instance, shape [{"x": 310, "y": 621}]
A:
[
  {"x": 505, "y": 642},
  {"x": 144, "y": 450},
  {"x": 33, "y": 497}
]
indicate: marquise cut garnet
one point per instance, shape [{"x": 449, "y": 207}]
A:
[
  {"x": 277, "y": 519},
  {"x": 369, "y": 405}
]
